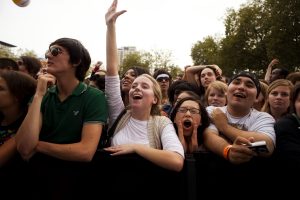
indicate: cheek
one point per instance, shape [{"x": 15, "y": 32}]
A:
[
  {"x": 197, "y": 119},
  {"x": 297, "y": 107},
  {"x": 177, "y": 118}
]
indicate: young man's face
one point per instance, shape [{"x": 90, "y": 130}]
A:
[{"x": 242, "y": 92}]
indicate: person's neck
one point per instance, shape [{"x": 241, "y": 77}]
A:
[
  {"x": 66, "y": 87},
  {"x": 277, "y": 113},
  {"x": 238, "y": 112},
  {"x": 140, "y": 114}
]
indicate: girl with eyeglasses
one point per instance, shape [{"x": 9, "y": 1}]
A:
[{"x": 190, "y": 119}]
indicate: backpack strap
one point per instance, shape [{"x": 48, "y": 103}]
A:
[{"x": 106, "y": 137}]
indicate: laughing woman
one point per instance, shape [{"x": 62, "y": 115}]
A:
[{"x": 140, "y": 129}]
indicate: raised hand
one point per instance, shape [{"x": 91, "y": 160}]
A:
[{"x": 111, "y": 15}]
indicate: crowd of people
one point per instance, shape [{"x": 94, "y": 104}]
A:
[{"x": 54, "y": 110}]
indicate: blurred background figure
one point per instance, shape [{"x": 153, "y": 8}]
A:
[
  {"x": 8, "y": 64},
  {"x": 29, "y": 65},
  {"x": 16, "y": 89}
]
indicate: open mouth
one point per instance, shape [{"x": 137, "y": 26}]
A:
[
  {"x": 187, "y": 123},
  {"x": 136, "y": 97},
  {"x": 240, "y": 95}
]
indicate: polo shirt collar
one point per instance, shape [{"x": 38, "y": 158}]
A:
[{"x": 80, "y": 88}]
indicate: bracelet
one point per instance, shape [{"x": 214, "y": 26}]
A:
[{"x": 226, "y": 152}]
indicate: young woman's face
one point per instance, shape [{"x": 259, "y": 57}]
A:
[
  {"x": 216, "y": 98},
  {"x": 279, "y": 98},
  {"x": 6, "y": 98},
  {"x": 207, "y": 76},
  {"x": 141, "y": 94},
  {"x": 127, "y": 80},
  {"x": 188, "y": 114}
]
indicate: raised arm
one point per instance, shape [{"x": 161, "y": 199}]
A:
[
  {"x": 270, "y": 68},
  {"x": 191, "y": 74},
  {"x": 111, "y": 43},
  {"x": 27, "y": 136}
]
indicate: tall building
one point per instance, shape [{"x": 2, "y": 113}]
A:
[{"x": 123, "y": 51}]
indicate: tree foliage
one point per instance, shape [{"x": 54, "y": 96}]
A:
[
  {"x": 149, "y": 60},
  {"x": 205, "y": 52},
  {"x": 255, "y": 34}
]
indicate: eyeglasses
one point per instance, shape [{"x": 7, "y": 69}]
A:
[
  {"x": 54, "y": 51},
  {"x": 185, "y": 109},
  {"x": 160, "y": 79}
]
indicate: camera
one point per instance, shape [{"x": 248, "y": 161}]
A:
[{"x": 259, "y": 147}]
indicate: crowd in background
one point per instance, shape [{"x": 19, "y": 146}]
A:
[{"x": 57, "y": 111}]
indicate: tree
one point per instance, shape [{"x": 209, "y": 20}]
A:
[
  {"x": 284, "y": 38},
  {"x": 244, "y": 46},
  {"x": 205, "y": 52},
  {"x": 133, "y": 59},
  {"x": 149, "y": 60}
]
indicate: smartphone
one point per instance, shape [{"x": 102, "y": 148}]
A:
[{"x": 259, "y": 147}]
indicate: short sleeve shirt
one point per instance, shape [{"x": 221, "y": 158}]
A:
[{"x": 63, "y": 121}]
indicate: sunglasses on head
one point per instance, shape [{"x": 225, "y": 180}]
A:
[
  {"x": 54, "y": 51},
  {"x": 160, "y": 79}
]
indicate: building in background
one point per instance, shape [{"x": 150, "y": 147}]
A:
[
  {"x": 4, "y": 44},
  {"x": 123, "y": 51}
]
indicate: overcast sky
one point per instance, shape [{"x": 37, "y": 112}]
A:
[{"x": 172, "y": 25}]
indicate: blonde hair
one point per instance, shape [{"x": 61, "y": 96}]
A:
[
  {"x": 156, "y": 108},
  {"x": 272, "y": 86},
  {"x": 218, "y": 85}
]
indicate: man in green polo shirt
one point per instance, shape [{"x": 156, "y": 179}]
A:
[{"x": 66, "y": 117}]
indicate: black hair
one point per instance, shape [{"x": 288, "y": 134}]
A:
[
  {"x": 32, "y": 64},
  {"x": 179, "y": 86},
  {"x": 79, "y": 55},
  {"x": 8, "y": 63}
]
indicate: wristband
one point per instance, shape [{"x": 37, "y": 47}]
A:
[{"x": 226, "y": 152}]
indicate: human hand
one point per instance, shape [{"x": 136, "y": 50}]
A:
[
  {"x": 180, "y": 134},
  {"x": 122, "y": 149},
  {"x": 239, "y": 152},
  {"x": 111, "y": 15},
  {"x": 219, "y": 119},
  {"x": 44, "y": 81},
  {"x": 273, "y": 63}
]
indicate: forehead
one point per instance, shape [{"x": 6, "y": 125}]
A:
[
  {"x": 244, "y": 79},
  {"x": 130, "y": 71},
  {"x": 207, "y": 70},
  {"x": 143, "y": 79},
  {"x": 183, "y": 95},
  {"x": 190, "y": 103}
]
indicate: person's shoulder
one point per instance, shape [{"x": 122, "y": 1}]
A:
[
  {"x": 255, "y": 113},
  {"x": 287, "y": 119}
]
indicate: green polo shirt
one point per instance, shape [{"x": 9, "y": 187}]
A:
[{"x": 63, "y": 121}]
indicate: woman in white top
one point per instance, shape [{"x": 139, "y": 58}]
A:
[{"x": 140, "y": 130}]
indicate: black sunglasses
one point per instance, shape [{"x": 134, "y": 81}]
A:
[{"x": 54, "y": 51}]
